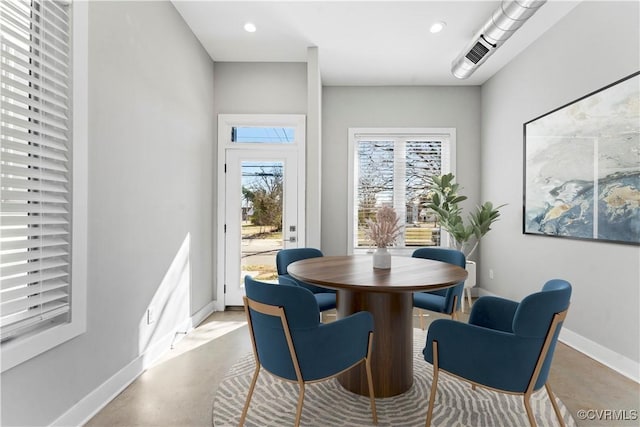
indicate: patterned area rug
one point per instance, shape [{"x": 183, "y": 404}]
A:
[{"x": 328, "y": 404}]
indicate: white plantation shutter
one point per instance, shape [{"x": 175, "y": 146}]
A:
[
  {"x": 423, "y": 160},
  {"x": 35, "y": 165},
  {"x": 394, "y": 169},
  {"x": 375, "y": 176}
]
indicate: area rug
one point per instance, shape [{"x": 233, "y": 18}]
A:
[{"x": 328, "y": 404}]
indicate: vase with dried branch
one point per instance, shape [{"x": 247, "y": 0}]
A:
[{"x": 383, "y": 232}]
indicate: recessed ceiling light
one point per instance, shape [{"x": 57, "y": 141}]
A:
[
  {"x": 436, "y": 27},
  {"x": 250, "y": 27}
]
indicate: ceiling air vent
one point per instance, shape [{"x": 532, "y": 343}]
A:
[
  {"x": 501, "y": 25},
  {"x": 477, "y": 52}
]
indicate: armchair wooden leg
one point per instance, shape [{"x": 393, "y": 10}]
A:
[
  {"x": 299, "y": 407},
  {"x": 556, "y": 409},
  {"x": 421, "y": 315},
  {"x": 249, "y": 395},
  {"x": 367, "y": 365},
  {"x": 372, "y": 397},
  {"x": 434, "y": 385},
  {"x": 454, "y": 311},
  {"x": 527, "y": 406}
]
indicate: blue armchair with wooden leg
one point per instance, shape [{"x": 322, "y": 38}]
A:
[
  {"x": 506, "y": 346},
  {"x": 326, "y": 298},
  {"x": 290, "y": 342},
  {"x": 445, "y": 301}
]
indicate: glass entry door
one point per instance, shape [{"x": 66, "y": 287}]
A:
[{"x": 261, "y": 215}]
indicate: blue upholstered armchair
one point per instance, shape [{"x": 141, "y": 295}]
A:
[
  {"x": 326, "y": 298},
  {"x": 506, "y": 346},
  {"x": 290, "y": 342},
  {"x": 445, "y": 300}
]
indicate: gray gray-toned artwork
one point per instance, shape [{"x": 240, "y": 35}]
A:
[{"x": 582, "y": 167}]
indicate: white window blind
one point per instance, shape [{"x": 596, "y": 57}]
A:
[
  {"x": 35, "y": 165},
  {"x": 394, "y": 169}
]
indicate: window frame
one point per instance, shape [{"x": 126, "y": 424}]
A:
[
  {"x": 448, "y": 136},
  {"x": 32, "y": 344}
]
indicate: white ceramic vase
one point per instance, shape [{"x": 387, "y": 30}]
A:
[{"x": 381, "y": 258}]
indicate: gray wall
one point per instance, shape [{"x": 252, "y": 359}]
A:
[
  {"x": 150, "y": 185},
  {"x": 260, "y": 88},
  {"x": 313, "y": 209},
  {"x": 346, "y": 107},
  {"x": 577, "y": 56}
]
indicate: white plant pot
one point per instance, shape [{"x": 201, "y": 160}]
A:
[
  {"x": 471, "y": 271},
  {"x": 382, "y": 259},
  {"x": 469, "y": 283}
]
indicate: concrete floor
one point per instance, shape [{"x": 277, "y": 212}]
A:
[{"x": 180, "y": 388}]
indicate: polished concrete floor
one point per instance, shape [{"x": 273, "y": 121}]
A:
[{"x": 179, "y": 389}]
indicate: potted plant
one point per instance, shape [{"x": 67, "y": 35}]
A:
[
  {"x": 383, "y": 231},
  {"x": 443, "y": 200}
]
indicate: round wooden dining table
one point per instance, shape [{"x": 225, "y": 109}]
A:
[{"x": 388, "y": 296}]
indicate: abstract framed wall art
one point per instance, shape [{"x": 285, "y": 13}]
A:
[{"x": 582, "y": 167}]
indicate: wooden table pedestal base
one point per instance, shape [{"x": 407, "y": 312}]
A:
[{"x": 392, "y": 341}]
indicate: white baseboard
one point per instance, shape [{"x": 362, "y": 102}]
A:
[
  {"x": 202, "y": 314},
  {"x": 479, "y": 292},
  {"x": 92, "y": 403},
  {"x": 619, "y": 363},
  {"x": 616, "y": 361}
]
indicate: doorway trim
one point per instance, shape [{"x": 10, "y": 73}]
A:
[{"x": 225, "y": 124}]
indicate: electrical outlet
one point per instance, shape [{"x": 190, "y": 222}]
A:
[
  {"x": 491, "y": 273},
  {"x": 151, "y": 315}
]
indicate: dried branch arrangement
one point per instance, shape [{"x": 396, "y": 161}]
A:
[{"x": 385, "y": 229}]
